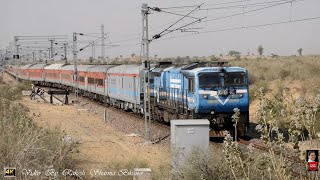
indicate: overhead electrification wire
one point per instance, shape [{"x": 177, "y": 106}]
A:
[
  {"x": 250, "y": 11},
  {"x": 95, "y": 41},
  {"x": 244, "y": 27},
  {"x": 265, "y": 3},
  {"x": 179, "y": 7},
  {"x": 206, "y": 5},
  {"x": 180, "y": 19}
]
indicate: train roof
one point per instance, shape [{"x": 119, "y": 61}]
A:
[
  {"x": 196, "y": 68},
  {"x": 100, "y": 68},
  {"x": 54, "y": 66},
  {"x": 25, "y": 66},
  {"x": 83, "y": 67},
  {"x": 67, "y": 67},
  {"x": 199, "y": 70},
  {"x": 126, "y": 69},
  {"x": 37, "y": 66}
]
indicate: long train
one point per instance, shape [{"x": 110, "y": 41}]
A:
[{"x": 194, "y": 91}]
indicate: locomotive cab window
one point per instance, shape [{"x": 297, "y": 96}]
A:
[
  {"x": 191, "y": 85},
  {"x": 235, "y": 79},
  {"x": 209, "y": 80}
]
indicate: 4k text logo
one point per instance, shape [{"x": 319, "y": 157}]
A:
[{"x": 9, "y": 172}]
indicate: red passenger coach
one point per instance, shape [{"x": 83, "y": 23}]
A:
[
  {"x": 24, "y": 72},
  {"x": 82, "y": 76},
  {"x": 67, "y": 73},
  {"x": 36, "y": 73},
  {"x": 52, "y": 73},
  {"x": 97, "y": 79}
]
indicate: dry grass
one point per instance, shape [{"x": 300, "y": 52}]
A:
[
  {"x": 262, "y": 72},
  {"x": 24, "y": 145}
]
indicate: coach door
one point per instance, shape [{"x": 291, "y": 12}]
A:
[{"x": 134, "y": 89}]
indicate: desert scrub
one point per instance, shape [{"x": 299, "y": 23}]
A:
[
  {"x": 302, "y": 69},
  {"x": 24, "y": 145}
]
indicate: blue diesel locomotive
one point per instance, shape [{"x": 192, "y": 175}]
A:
[{"x": 201, "y": 90}]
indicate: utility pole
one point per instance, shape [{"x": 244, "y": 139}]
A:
[
  {"x": 17, "y": 47},
  {"x": 102, "y": 42},
  {"x": 32, "y": 56},
  {"x": 75, "y": 52},
  {"x": 146, "y": 64},
  {"x": 51, "y": 40},
  {"x": 65, "y": 51},
  {"x": 93, "y": 50},
  {"x": 40, "y": 54},
  {"x": 49, "y": 53}
]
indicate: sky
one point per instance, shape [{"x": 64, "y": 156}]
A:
[{"x": 122, "y": 20}]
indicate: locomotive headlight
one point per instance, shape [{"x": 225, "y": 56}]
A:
[
  {"x": 212, "y": 112},
  {"x": 225, "y": 92},
  {"x": 205, "y": 96}
]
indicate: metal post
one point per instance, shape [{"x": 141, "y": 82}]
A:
[
  {"x": 93, "y": 49},
  {"x": 146, "y": 64},
  {"x": 65, "y": 50},
  {"x": 17, "y": 47},
  {"x": 51, "y": 99},
  {"x": 105, "y": 115},
  {"x": 49, "y": 53},
  {"x": 102, "y": 42},
  {"x": 66, "y": 100},
  {"x": 40, "y": 54},
  {"x": 32, "y": 56},
  {"x": 51, "y": 40},
  {"x": 75, "y": 51},
  {"x": 17, "y": 56}
]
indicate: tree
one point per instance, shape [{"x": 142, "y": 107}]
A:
[
  {"x": 234, "y": 53},
  {"x": 213, "y": 58},
  {"x": 300, "y": 51},
  {"x": 260, "y": 50},
  {"x": 179, "y": 60},
  {"x": 133, "y": 55},
  {"x": 121, "y": 56}
]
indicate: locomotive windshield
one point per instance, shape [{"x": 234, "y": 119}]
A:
[
  {"x": 235, "y": 79},
  {"x": 209, "y": 80}
]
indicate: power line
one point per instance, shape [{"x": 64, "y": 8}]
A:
[
  {"x": 169, "y": 31},
  {"x": 254, "y": 10},
  {"x": 232, "y": 29},
  {"x": 179, "y": 7},
  {"x": 245, "y": 27},
  {"x": 265, "y": 3}
]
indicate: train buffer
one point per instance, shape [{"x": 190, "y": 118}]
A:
[{"x": 59, "y": 92}]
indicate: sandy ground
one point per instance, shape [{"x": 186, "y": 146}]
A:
[{"x": 99, "y": 144}]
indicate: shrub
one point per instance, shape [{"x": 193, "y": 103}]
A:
[{"x": 284, "y": 73}]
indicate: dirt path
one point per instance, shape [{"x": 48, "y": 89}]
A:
[{"x": 100, "y": 146}]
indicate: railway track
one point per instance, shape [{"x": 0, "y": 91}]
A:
[{"x": 159, "y": 138}]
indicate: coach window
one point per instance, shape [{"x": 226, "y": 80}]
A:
[
  {"x": 191, "y": 85},
  {"x": 90, "y": 80},
  {"x": 99, "y": 82},
  {"x": 81, "y": 78}
]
